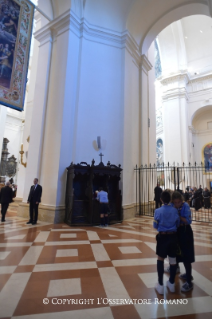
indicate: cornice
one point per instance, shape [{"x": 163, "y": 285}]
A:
[
  {"x": 175, "y": 94},
  {"x": 68, "y": 21},
  {"x": 200, "y": 132},
  {"x": 175, "y": 78},
  {"x": 43, "y": 35},
  {"x": 201, "y": 78},
  {"x": 145, "y": 64}
]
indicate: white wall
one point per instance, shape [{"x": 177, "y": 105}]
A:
[{"x": 100, "y": 110}]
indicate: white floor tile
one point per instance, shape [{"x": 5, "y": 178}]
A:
[
  {"x": 100, "y": 254},
  {"x": 68, "y": 235},
  {"x": 63, "y": 243},
  {"x": 64, "y": 287},
  {"x": 94, "y": 313},
  {"x": 112, "y": 283},
  {"x": 149, "y": 279},
  {"x": 4, "y": 254},
  {"x": 65, "y": 266},
  {"x": 92, "y": 235},
  {"x": 31, "y": 256},
  {"x": 16, "y": 237},
  {"x": 129, "y": 250},
  {"x": 12, "y": 292},
  {"x": 7, "y": 269},
  {"x": 67, "y": 252},
  {"x": 120, "y": 241},
  {"x": 16, "y": 244},
  {"x": 42, "y": 237}
]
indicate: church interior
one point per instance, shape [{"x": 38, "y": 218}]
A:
[{"x": 112, "y": 85}]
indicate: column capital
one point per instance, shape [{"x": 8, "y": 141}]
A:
[
  {"x": 44, "y": 35},
  {"x": 145, "y": 64},
  {"x": 54, "y": 28}
]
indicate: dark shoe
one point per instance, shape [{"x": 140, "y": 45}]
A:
[
  {"x": 3, "y": 220},
  {"x": 34, "y": 223},
  {"x": 186, "y": 287},
  {"x": 183, "y": 276},
  {"x": 29, "y": 222}
]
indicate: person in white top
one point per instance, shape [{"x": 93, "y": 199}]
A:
[{"x": 102, "y": 197}]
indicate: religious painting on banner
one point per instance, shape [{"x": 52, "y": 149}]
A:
[
  {"x": 16, "y": 18},
  {"x": 207, "y": 153}
]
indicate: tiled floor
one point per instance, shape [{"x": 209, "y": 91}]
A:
[{"x": 56, "y": 271}]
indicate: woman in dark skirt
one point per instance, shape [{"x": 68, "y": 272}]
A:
[{"x": 185, "y": 239}]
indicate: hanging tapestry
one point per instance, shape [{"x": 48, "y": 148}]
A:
[{"x": 16, "y": 18}]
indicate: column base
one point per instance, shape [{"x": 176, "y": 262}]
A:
[
  {"x": 129, "y": 211},
  {"x": 49, "y": 214}
]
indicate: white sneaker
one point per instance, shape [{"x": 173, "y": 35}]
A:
[
  {"x": 170, "y": 286},
  {"x": 168, "y": 269},
  {"x": 159, "y": 288}
]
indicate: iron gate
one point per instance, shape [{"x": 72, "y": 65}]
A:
[{"x": 173, "y": 177}]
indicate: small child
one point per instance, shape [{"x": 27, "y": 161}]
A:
[{"x": 166, "y": 221}]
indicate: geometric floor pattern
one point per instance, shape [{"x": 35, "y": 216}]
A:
[{"x": 56, "y": 271}]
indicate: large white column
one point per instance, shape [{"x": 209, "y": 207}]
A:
[
  {"x": 144, "y": 68},
  {"x": 175, "y": 111},
  {"x": 60, "y": 126},
  {"x": 29, "y": 102},
  {"x": 39, "y": 109},
  {"x": 44, "y": 36}
]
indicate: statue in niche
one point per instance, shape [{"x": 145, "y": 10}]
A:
[{"x": 159, "y": 152}]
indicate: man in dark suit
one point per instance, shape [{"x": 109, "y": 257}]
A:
[
  {"x": 158, "y": 191},
  {"x": 34, "y": 199},
  {"x": 6, "y": 197}
]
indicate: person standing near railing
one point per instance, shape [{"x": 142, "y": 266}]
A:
[
  {"x": 207, "y": 198},
  {"x": 158, "y": 191}
]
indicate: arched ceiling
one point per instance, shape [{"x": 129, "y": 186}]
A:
[
  {"x": 148, "y": 18},
  {"x": 185, "y": 45},
  {"x": 145, "y": 19},
  {"x": 201, "y": 118}
]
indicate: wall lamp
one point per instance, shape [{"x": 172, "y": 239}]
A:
[{"x": 22, "y": 153}]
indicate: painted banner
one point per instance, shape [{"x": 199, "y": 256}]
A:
[{"x": 16, "y": 19}]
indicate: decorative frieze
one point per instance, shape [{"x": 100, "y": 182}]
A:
[{"x": 200, "y": 83}]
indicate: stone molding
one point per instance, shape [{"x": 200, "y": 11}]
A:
[
  {"x": 146, "y": 66},
  {"x": 68, "y": 21},
  {"x": 199, "y": 132},
  {"x": 175, "y": 94},
  {"x": 179, "y": 78}
]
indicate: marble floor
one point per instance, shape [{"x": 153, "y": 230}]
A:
[{"x": 56, "y": 271}]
